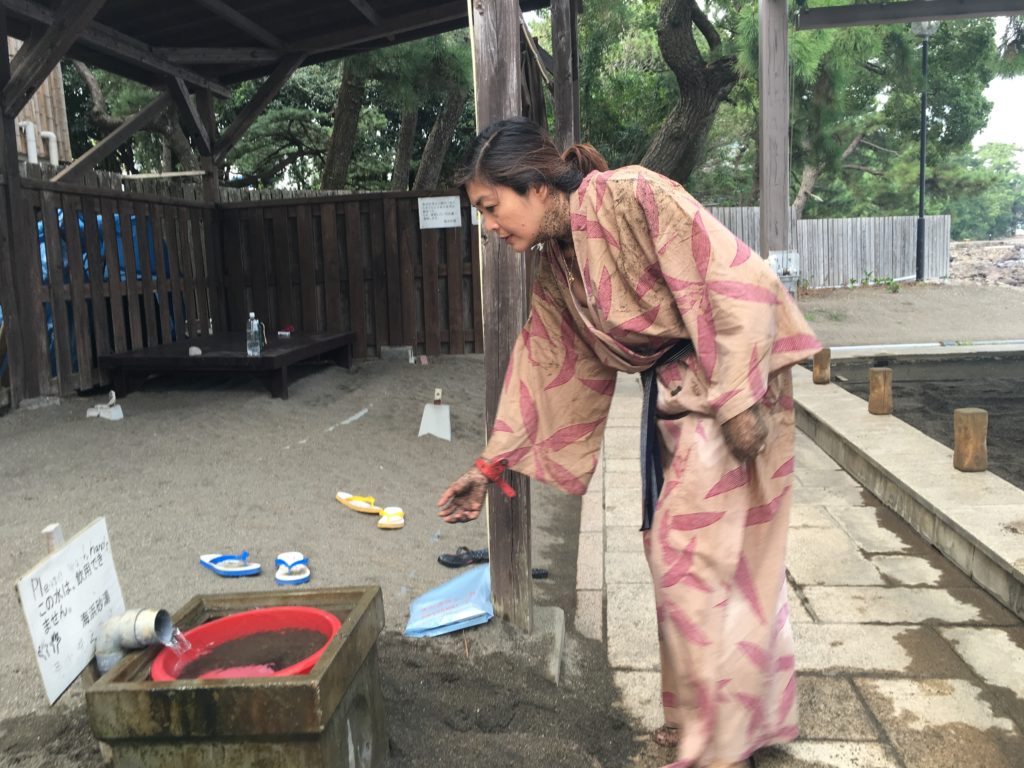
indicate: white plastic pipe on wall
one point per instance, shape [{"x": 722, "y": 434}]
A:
[
  {"x": 30, "y": 141},
  {"x": 132, "y": 629},
  {"x": 53, "y": 154}
]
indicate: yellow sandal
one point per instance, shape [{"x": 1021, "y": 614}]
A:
[
  {"x": 363, "y": 504},
  {"x": 391, "y": 519}
]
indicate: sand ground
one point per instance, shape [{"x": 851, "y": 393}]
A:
[{"x": 216, "y": 465}]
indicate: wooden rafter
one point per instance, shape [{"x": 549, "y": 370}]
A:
[
  {"x": 371, "y": 15},
  {"x": 34, "y": 62},
  {"x": 259, "y": 101},
  {"x": 113, "y": 43},
  {"x": 115, "y": 138},
  {"x": 445, "y": 12},
  {"x": 242, "y": 22},
  {"x": 188, "y": 113},
  {"x": 206, "y": 56},
  {"x": 861, "y": 14}
]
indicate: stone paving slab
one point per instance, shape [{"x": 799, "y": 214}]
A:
[
  {"x": 907, "y": 571},
  {"x": 996, "y": 656},
  {"x": 827, "y": 556},
  {"x": 632, "y": 627},
  {"x": 831, "y": 710},
  {"x": 942, "y": 723},
  {"x": 863, "y": 526},
  {"x": 810, "y": 516},
  {"x": 898, "y": 605},
  {"x": 828, "y": 754}
]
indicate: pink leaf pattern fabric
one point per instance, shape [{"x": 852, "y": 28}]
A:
[{"x": 658, "y": 267}]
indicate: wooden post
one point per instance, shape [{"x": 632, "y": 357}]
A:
[
  {"x": 880, "y": 391},
  {"x": 21, "y": 285},
  {"x": 494, "y": 33},
  {"x": 213, "y": 221},
  {"x": 970, "y": 434},
  {"x": 567, "y": 73},
  {"x": 822, "y": 366},
  {"x": 773, "y": 83}
]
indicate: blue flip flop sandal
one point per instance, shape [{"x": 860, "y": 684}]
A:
[
  {"x": 230, "y": 565},
  {"x": 292, "y": 568}
]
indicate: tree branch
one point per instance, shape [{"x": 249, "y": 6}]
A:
[
  {"x": 701, "y": 21},
  {"x": 99, "y": 112},
  {"x": 880, "y": 149},
  {"x": 866, "y": 169}
]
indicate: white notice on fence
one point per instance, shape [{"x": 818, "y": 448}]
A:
[
  {"x": 440, "y": 212},
  {"x": 66, "y": 599}
]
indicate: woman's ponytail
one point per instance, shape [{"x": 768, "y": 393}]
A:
[{"x": 585, "y": 157}]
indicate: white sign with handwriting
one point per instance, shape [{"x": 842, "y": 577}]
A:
[
  {"x": 66, "y": 599},
  {"x": 440, "y": 212}
]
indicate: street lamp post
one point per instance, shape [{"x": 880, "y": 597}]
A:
[{"x": 924, "y": 30}]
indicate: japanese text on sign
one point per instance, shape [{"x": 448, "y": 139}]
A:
[
  {"x": 66, "y": 598},
  {"x": 440, "y": 212}
]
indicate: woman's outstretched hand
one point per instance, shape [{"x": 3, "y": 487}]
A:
[
  {"x": 464, "y": 498},
  {"x": 746, "y": 433}
]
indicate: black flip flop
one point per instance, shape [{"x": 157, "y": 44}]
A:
[{"x": 465, "y": 556}]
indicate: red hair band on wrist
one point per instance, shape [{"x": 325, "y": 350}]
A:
[{"x": 493, "y": 470}]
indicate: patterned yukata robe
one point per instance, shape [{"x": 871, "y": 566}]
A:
[{"x": 657, "y": 267}]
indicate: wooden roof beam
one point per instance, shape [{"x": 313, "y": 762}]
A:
[
  {"x": 862, "y": 14},
  {"x": 188, "y": 114},
  {"x": 115, "y": 138},
  {"x": 255, "y": 107},
  {"x": 113, "y": 43},
  {"x": 443, "y": 12},
  {"x": 242, "y": 22},
  {"x": 34, "y": 62},
  {"x": 208, "y": 56},
  {"x": 370, "y": 15}
]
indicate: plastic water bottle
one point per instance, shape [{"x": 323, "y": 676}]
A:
[{"x": 252, "y": 336}]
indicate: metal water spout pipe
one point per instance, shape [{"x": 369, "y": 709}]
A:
[
  {"x": 30, "y": 141},
  {"x": 131, "y": 630},
  {"x": 53, "y": 153}
]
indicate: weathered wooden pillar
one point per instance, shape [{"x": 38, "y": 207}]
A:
[
  {"x": 494, "y": 31},
  {"x": 880, "y": 391},
  {"x": 822, "y": 373},
  {"x": 970, "y": 439},
  {"x": 21, "y": 287},
  {"x": 773, "y": 84},
  {"x": 212, "y": 234},
  {"x": 566, "y": 93}
]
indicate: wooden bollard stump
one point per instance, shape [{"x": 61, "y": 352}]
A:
[
  {"x": 880, "y": 391},
  {"x": 970, "y": 439},
  {"x": 822, "y": 366}
]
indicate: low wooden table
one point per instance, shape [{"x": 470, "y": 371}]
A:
[{"x": 225, "y": 353}]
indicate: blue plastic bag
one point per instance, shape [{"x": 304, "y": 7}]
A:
[{"x": 465, "y": 601}]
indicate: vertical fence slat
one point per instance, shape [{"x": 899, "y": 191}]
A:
[
  {"x": 182, "y": 277},
  {"x": 115, "y": 286},
  {"x": 131, "y": 268},
  {"x": 407, "y": 260},
  {"x": 146, "y": 254},
  {"x": 160, "y": 273},
  {"x": 431, "y": 313},
  {"x": 307, "y": 269},
  {"x": 356, "y": 288},
  {"x": 101, "y": 326},
  {"x": 282, "y": 269},
  {"x": 180, "y": 309},
  {"x": 379, "y": 269},
  {"x": 58, "y": 304},
  {"x": 234, "y": 286},
  {"x": 456, "y": 334},
  {"x": 255, "y": 240},
  {"x": 202, "y": 264},
  {"x": 332, "y": 266},
  {"x": 478, "y": 314},
  {"x": 394, "y": 273},
  {"x": 76, "y": 275}
]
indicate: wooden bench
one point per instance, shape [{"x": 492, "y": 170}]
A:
[{"x": 225, "y": 353}]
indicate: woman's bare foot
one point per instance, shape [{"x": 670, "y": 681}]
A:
[{"x": 666, "y": 736}]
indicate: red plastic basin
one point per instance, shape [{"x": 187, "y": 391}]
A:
[{"x": 206, "y": 637}]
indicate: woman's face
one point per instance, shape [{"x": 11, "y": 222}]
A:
[{"x": 516, "y": 219}]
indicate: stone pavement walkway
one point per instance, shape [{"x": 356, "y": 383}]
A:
[{"x": 903, "y": 661}]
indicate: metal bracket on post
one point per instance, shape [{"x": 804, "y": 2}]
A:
[{"x": 786, "y": 264}]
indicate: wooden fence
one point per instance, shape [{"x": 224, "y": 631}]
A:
[
  {"x": 833, "y": 252},
  {"x": 119, "y": 269},
  {"x": 124, "y": 264},
  {"x": 355, "y": 263}
]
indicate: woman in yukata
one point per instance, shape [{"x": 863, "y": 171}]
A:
[{"x": 636, "y": 276}]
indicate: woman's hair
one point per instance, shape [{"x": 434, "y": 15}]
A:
[{"x": 517, "y": 153}]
